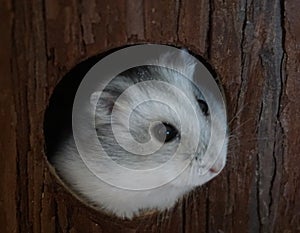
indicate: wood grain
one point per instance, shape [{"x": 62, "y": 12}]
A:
[{"x": 253, "y": 46}]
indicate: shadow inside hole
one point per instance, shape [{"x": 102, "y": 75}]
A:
[{"x": 58, "y": 115}]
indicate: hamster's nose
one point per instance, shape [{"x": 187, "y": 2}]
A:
[
  {"x": 217, "y": 167},
  {"x": 214, "y": 169}
]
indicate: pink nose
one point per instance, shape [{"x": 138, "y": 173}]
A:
[
  {"x": 217, "y": 167},
  {"x": 214, "y": 169}
]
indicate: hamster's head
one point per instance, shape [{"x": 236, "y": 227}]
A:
[{"x": 150, "y": 115}]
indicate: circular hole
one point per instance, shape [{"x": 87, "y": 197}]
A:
[{"x": 58, "y": 128}]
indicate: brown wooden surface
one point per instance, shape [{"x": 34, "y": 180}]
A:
[{"x": 254, "y": 47}]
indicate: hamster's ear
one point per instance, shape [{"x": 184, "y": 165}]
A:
[
  {"x": 95, "y": 97},
  {"x": 187, "y": 63},
  {"x": 103, "y": 101},
  {"x": 183, "y": 62}
]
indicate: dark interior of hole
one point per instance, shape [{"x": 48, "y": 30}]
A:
[{"x": 58, "y": 116}]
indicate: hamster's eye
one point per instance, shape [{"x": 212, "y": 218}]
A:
[
  {"x": 164, "y": 132},
  {"x": 204, "y": 107}
]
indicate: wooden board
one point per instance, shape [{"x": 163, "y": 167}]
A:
[{"x": 254, "y": 47}]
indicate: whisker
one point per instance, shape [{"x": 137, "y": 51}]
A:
[
  {"x": 256, "y": 139},
  {"x": 233, "y": 144},
  {"x": 242, "y": 124},
  {"x": 237, "y": 113}
]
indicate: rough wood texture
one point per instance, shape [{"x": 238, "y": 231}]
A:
[{"x": 254, "y": 47}]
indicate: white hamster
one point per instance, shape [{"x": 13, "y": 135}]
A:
[{"x": 170, "y": 123}]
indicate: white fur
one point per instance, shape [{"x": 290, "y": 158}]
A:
[{"x": 128, "y": 203}]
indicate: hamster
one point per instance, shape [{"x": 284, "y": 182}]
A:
[{"x": 144, "y": 104}]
